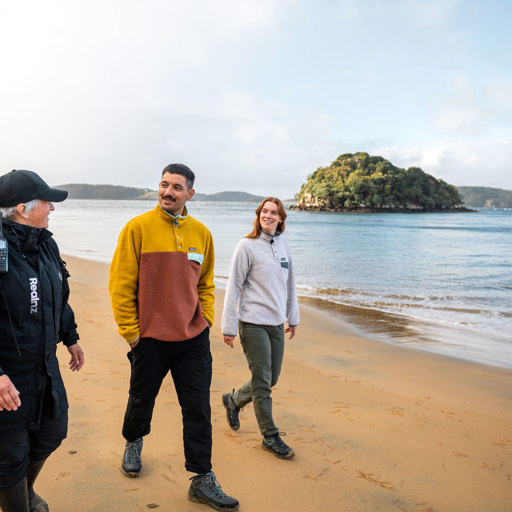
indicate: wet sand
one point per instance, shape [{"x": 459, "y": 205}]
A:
[
  {"x": 436, "y": 337},
  {"x": 376, "y": 427}
]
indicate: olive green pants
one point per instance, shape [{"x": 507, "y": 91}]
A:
[{"x": 264, "y": 348}]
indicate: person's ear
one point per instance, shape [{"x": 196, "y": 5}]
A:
[{"x": 21, "y": 209}]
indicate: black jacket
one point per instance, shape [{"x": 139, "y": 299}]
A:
[{"x": 34, "y": 317}]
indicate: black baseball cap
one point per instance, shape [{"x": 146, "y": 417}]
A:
[{"x": 20, "y": 186}]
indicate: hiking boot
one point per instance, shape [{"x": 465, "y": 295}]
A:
[
  {"x": 206, "y": 489},
  {"x": 231, "y": 411},
  {"x": 36, "y": 503},
  {"x": 277, "y": 446},
  {"x": 132, "y": 461}
]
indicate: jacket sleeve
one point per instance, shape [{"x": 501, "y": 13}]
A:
[
  {"x": 205, "y": 286},
  {"x": 67, "y": 331},
  {"x": 124, "y": 281},
  {"x": 240, "y": 265},
  {"x": 67, "y": 326},
  {"x": 292, "y": 305}
]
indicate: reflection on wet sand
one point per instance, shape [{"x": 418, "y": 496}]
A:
[
  {"x": 398, "y": 328},
  {"x": 440, "y": 338}
]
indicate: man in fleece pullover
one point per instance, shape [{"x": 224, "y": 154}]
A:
[{"x": 161, "y": 287}]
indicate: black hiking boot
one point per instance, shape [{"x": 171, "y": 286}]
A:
[
  {"x": 277, "y": 446},
  {"x": 231, "y": 411},
  {"x": 36, "y": 503},
  {"x": 132, "y": 461},
  {"x": 206, "y": 489}
]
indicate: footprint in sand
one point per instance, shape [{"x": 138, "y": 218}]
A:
[
  {"x": 315, "y": 476},
  {"x": 374, "y": 480},
  {"x": 505, "y": 443},
  {"x": 233, "y": 436}
]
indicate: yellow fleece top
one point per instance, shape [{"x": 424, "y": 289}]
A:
[{"x": 161, "y": 277}]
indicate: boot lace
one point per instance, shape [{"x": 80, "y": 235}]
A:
[
  {"x": 214, "y": 486},
  {"x": 133, "y": 454},
  {"x": 280, "y": 444}
]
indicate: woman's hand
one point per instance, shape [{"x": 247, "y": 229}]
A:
[
  {"x": 9, "y": 395},
  {"x": 292, "y": 331},
  {"x": 228, "y": 340},
  {"x": 77, "y": 357}
]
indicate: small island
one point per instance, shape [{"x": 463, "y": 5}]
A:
[{"x": 363, "y": 183}]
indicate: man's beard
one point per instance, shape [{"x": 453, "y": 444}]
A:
[{"x": 172, "y": 207}]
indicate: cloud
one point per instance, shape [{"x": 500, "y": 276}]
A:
[
  {"x": 477, "y": 110},
  {"x": 97, "y": 89},
  {"x": 252, "y": 95},
  {"x": 262, "y": 145},
  {"x": 460, "y": 164},
  {"x": 432, "y": 12},
  {"x": 461, "y": 117}
]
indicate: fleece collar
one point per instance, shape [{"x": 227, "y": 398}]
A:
[
  {"x": 268, "y": 238},
  {"x": 175, "y": 220}
]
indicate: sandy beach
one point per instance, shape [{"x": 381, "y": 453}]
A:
[{"x": 376, "y": 427}]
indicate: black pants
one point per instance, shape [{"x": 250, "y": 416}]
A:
[
  {"x": 19, "y": 449},
  {"x": 190, "y": 364}
]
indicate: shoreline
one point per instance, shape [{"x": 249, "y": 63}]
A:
[
  {"x": 322, "y": 209},
  {"x": 459, "y": 342},
  {"x": 399, "y": 329},
  {"x": 375, "y": 426},
  {"x": 396, "y": 328},
  {"x": 415, "y": 333}
]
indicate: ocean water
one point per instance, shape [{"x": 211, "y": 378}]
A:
[{"x": 437, "y": 282}]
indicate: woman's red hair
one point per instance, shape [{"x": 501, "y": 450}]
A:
[{"x": 256, "y": 229}]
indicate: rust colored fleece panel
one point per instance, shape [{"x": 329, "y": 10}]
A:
[{"x": 169, "y": 306}]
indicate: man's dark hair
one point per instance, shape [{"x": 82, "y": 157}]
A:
[{"x": 182, "y": 169}]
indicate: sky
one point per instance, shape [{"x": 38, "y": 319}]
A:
[{"x": 254, "y": 95}]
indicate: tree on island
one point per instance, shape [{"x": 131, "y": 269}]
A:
[{"x": 360, "y": 181}]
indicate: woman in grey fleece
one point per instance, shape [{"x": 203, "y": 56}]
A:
[{"x": 260, "y": 297}]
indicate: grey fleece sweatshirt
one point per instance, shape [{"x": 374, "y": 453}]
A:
[{"x": 262, "y": 285}]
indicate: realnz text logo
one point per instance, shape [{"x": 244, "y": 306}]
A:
[{"x": 34, "y": 297}]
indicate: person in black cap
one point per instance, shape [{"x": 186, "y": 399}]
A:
[{"x": 34, "y": 317}]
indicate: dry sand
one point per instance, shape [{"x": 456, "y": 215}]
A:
[{"x": 375, "y": 427}]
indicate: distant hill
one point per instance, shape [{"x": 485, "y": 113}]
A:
[
  {"x": 229, "y": 197},
  {"x": 486, "y": 197},
  {"x": 87, "y": 191}
]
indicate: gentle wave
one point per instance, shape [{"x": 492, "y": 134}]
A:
[{"x": 420, "y": 308}]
